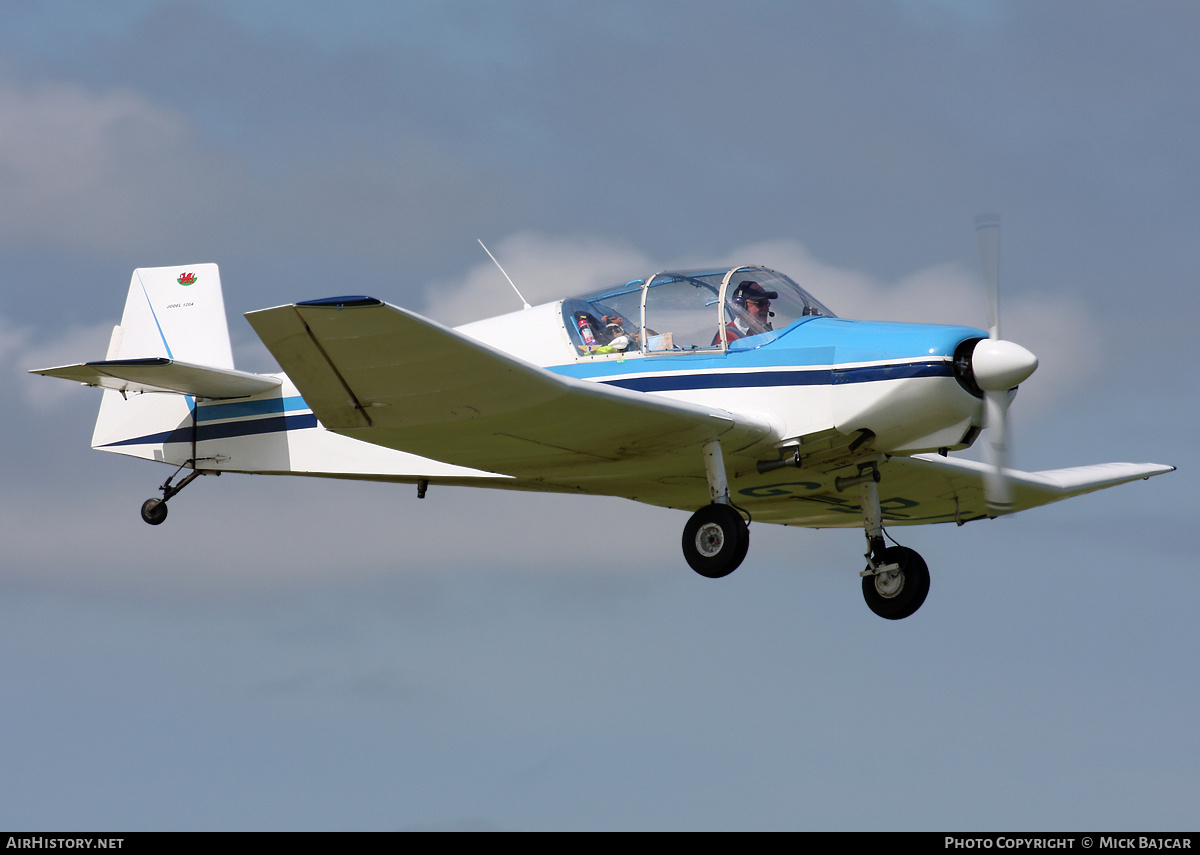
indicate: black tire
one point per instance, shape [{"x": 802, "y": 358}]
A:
[
  {"x": 896, "y": 603},
  {"x": 715, "y": 541},
  {"x": 154, "y": 511}
]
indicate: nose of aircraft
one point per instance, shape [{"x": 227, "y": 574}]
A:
[{"x": 999, "y": 365}]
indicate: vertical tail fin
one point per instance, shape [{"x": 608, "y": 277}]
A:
[
  {"x": 172, "y": 312},
  {"x": 176, "y": 312}
]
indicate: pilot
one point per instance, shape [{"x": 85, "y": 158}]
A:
[{"x": 756, "y": 314}]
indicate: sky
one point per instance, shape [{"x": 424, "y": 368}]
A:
[{"x": 308, "y": 654}]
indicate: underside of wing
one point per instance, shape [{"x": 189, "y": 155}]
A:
[
  {"x": 941, "y": 482},
  {"x": 387, "y": 376},
  {"x": 916, "y": 490},
  {"x": 928, "y": 488}
]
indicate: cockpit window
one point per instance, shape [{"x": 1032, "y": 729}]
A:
[
  {"x": 688, "y": 311},
  {"x": 606, "y": 321},
  {"x": 759, "y": 301},
  {"x": 682, "y": 311}
]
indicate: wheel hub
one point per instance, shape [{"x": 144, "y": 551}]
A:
[
  {"x": 710, "y": 538},
  {"x": 890, "y": 583}
]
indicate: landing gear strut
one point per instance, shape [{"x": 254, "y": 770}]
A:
[
  {"x": 716, "y": 538},
  {"x": 154, "y": 511},
  {"x": 896, "y": 580}
]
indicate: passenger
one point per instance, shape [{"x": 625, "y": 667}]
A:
[{"x": 755, "y": 315}]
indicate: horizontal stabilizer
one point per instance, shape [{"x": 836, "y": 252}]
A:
[{"x": 159, "y": 374}]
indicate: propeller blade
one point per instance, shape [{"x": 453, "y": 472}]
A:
[
  {"x": 999, "y": 366},
  {"x": 987, "y": 226},
  {"x": 996, "y": 488}
]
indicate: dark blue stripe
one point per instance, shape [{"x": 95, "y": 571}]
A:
[
  {"x": 274, "y": 424},
  {"x": 226, "y": 430},
  {"x": 874, "y": 373},
  {"x": 752, "y": 379},
  {"x": 150, "y": 360},
  {"x": 725, "y": 380},
  {"x": 341, "y": 302}
]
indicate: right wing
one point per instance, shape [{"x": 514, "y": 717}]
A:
[
  {"x": 387, "y": 376},
  {"x": 957, "y": 486},
  {"x": 926, "y": 488}
]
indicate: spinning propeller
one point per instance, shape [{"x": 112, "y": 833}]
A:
[{"x": 998, "y": 367}]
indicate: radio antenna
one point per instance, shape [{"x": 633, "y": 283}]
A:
[{"x": 506, "y": 276}]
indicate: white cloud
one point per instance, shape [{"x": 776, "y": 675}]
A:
[
  {"x": 92, "y": 169},
  {"x": 75, "y": 344},
  {"x": 20, "y": 352},
  {"x": 542, "y": 267},
  {"x": 12, "y": 341}
]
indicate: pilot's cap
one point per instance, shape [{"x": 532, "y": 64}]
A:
[{"x": 748, "y": 289}]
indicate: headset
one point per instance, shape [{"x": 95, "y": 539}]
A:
[{"x": 755, "y": 292}]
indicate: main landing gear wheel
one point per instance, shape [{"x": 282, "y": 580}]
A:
[
  {"x": 896, "y": 594},
  {"x": 154, "y": 511},
  {"x": 715, "y": 540}
]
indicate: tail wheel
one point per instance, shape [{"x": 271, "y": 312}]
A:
[
  {"x": 154, "y": 511},
  {"x": 896, "y": 594},
  {"x": 715, "y": 541}
]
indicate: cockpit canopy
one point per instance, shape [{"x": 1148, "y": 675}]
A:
[{"x": 689, "y": 310}]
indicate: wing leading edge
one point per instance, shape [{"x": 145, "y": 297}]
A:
[
  {"x": 390, "y": 377},
  {"x": 953, "y": 489}
]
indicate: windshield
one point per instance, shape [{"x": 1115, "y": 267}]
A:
[{"x": 688, "y": 311}]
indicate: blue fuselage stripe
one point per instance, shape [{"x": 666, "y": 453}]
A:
[
  {"x": 755, "y": 379},
  {"x": 241, "y": 409}
]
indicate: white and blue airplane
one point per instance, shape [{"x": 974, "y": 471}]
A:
[{"x": 731, "y": 393}]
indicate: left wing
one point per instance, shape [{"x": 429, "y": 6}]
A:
[{"x": 388, "y": 376}]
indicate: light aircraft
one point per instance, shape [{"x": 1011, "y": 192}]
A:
[{"x": 732, "y": 393}]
